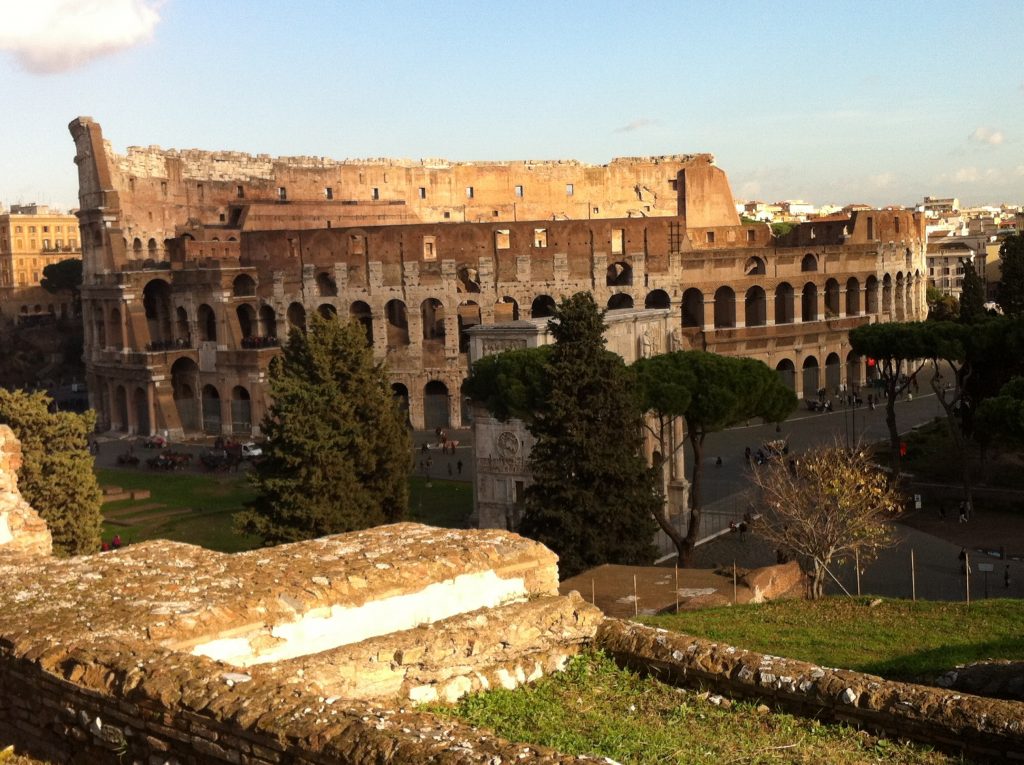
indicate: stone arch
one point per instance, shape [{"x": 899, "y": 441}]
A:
[
  {"x": 831, "y": 298},
  {"x": 784, "y": 313},
  {"x": 754, "y": 266},
  {"x": 693, "y": 308},
  {"x": 211, "y": 410},
  {"x": 432, "y": 313},
  {"x": 241, "y": 410},
  {"x": 120, "y": 419},
  {"x": 184, "y": 384},
  {"x": 325, "y": 285},
  {"x": 542, "y": 307},
  {"x": 435, "y": 405},
  {"x": 852, "y": 296},
  {"x": 156, "y": 302},
  {"x": 327, "y": 311},
  {"x": 268, "y": 321},
  {"x": 811, "y": 377},
  {"x": 887, "y": 294},
  {"x": 469, "y": 316},
  {"x": 619, "y": 274},
  {"x": 247, "y": 322},
  {"x": 206, "y": 318},
  {"x": 755, "y": 309},
  {"x": 809, "y": 302},
  {"x": 151, "y": 246},
  {"x": 853, "y": 370},
  {"x": 397, "y": 323},
  {"x": 871, "y": 295},
  {"x": 116, "y": 335},
  {"x": 833, "y": 372},
  {"x": 725, "y": 308},
  {"x": 619, "y": 301},
  {"x": 506, "y": 309},
  {"x": 401, "y": 396},
  {"x": 361, "y": 312},
  {"x": 657, "y": 299},
  {"x": 243, "y": 286},
  {"x": 787, "y": 373},
  {"x": 140, "y": 405},
  {"x": 297, "y": 317},
  {"x": 809, "y": 262},
  {"x": 137, "y": 247}
]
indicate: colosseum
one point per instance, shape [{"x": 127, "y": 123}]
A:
[{"x": 197, "y": 264}]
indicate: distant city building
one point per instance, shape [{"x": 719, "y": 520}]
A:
[
  {"x": 31, "y": 238},
  {"x": 939, "y": 206}
]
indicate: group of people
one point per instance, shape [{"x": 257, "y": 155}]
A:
[{"x": 113, "y": 544}]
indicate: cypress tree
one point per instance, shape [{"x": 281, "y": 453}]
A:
[
  {"x": 593, "y": 498},
  {"x": 972, "y": 296},
  {"x": 1011, "y": 282},
  {"x": 338, "y": 453},
  {"x": 56, "y": 475}
]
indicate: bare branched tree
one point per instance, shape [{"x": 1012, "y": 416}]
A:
[{"x": 830, "y": 504}]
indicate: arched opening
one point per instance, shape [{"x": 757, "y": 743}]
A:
[
  {"x": 116, "y": 336},
  {"x": 833, "y": 372},
  {"x": 887, "y": 294},
  {"x": 137, "y": 247},
  {"x": 182, "y": 333},
  {"x": 120, "y": 409},
  {"x": 243, "y": 286},
  {"x": 325, "y": 285},
  {"x": 871, "y": 295},
  {"x": 469, "y": 316},
  {"x": 101, "y": 326},
  {"x": 853, "y": 368},
  {"x": 619, "y": 301},
  {"x": 619, "y": 274},
  {"x": 435, "y": 405},
  {"x": 754, "y": 267},
  {"x": 506, "y": 309},
  {"x": 184, "y": 384},
  {"x": 831, "y": 299},
  {"x": 361, "y": 312},
  {"x": 809, "y": 263},
  {"x": 852, "y": 296},
  {"x": 432, "y": 314},
  {"x": 156, "y": 302},
  {"x": 812, "y": 377},
  {"x": 140, "y": 403},
  {"x": 401, "y": 396},
  {"x": 657, "y": 299},
  {"x": 241, "y": 411},
  {"x": 152, "y": 248},
  {"x": 297, "y": 317},
  {"x": 327, "y": 311},
  {"x": 755, "y": 307},
  {"x": 211, "y": 410},
  {"x": 542, "y": 307},
  {"x": 784, "y": 304},
  {"x": 693, "y": 308},
  {"x": 809, "y": 302},
  {"x": 398, "y": 324},
  {"x": 725, "y": 308},
  {"x": 268, "y": 321},
  {"x": 207, "y": 321},
  {"x": 246, "y": 320},
  {"x": 787, "y": 373}
]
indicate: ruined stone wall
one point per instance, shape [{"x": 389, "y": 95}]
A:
[
  {"x": 22, "y": 531},
  {"x": 980, "y": 727}
]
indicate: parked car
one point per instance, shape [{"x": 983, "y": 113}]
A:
[{"x": 251, "y": 449}]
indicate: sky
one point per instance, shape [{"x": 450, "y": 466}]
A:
[{"x": 829, "y": 102}]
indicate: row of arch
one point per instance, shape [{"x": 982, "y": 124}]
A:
[{"x": 808, "y": 380}]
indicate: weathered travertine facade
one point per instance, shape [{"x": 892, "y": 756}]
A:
[
  {"x": 198, "y": 263},
  {"x": 22, "y": 531}
]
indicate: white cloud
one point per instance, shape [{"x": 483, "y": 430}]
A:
[
  {"x": 991, "y": 136},
  {"x": 882, "y": 180},
  {"x": 967, "y": 175},
  {"x": 637, "y": 124},
  {"x": 48, "y": 36}
]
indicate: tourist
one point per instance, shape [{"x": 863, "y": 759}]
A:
[
  {"x": 458, "y": 467},
  {"x": 1006, "y": 577},
  {"x": 963, "y": 560},
  {"x": 116, "y": 542},
  {"x": 963, "y": 511}
]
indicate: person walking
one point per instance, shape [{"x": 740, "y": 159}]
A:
[{"x": 1006, "y": 577}]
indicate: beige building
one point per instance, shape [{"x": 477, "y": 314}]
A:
[{"x": 31, "y": 238}]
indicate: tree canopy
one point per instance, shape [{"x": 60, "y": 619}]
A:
[
  {"x": 1002, "y": 416},
  {"x": 1010, "y": 291},
  {"x": 942, "y": 307},
  {"x": 711, "y": 393},
  {"x": 56, "y": 476},
  {"x": 63, "y": 276},
  {"x": 338, "y": 454}
]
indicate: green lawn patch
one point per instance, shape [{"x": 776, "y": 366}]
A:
[
  {"x": 447, "y": 504},
  {"x": 599, "y": 709},
  {"x": 897, "y": 639}
]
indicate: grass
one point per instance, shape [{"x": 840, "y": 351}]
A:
[
  {"x": 897, "y": 639},
  {"x": 213, "y": 499},
  {"x": 599, "y": 709}
]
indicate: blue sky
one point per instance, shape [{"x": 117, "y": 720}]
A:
[{"x": 874, "y": 102}]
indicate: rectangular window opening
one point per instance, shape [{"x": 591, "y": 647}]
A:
[
  {"x": 282, "y": 193},
  {"x": 519, "y": 191},
  {"x": 568, "y": 189},
  {"x": 469, "y": 192},
  {"x": 328, "y": 193},
  {"x": 618, "y": 238},
  {"x": 710, "y": 237},
  {"x": 751, "y": 235},
  {"x": 540, "y": 237},
  {"x": 429, "y": 248},
  {"x": 240, "y": 192},
  {"x": 375, "y": 193},
  {"x": 501, "y": 239},
  {"x": 423, "y": 192}
]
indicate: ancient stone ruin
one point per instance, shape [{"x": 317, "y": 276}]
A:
[{"x": 22, "y": 531}]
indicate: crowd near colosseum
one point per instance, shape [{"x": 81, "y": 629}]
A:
[{"x": 197, "y": 264}]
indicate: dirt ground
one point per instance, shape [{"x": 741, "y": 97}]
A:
[{"x": 992, "y": 531}]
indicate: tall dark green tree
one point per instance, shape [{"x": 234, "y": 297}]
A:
[
  {"x": 56, "y": 475},
  {"x": 1010, "y": 292},
  {"x": 338, "y": 454},
  {"x": 64, "y": 276},
  {"x": 711, "y": 393},
  {"x": 593, "y": 498},
  {"x": 972, "y": 296}
]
